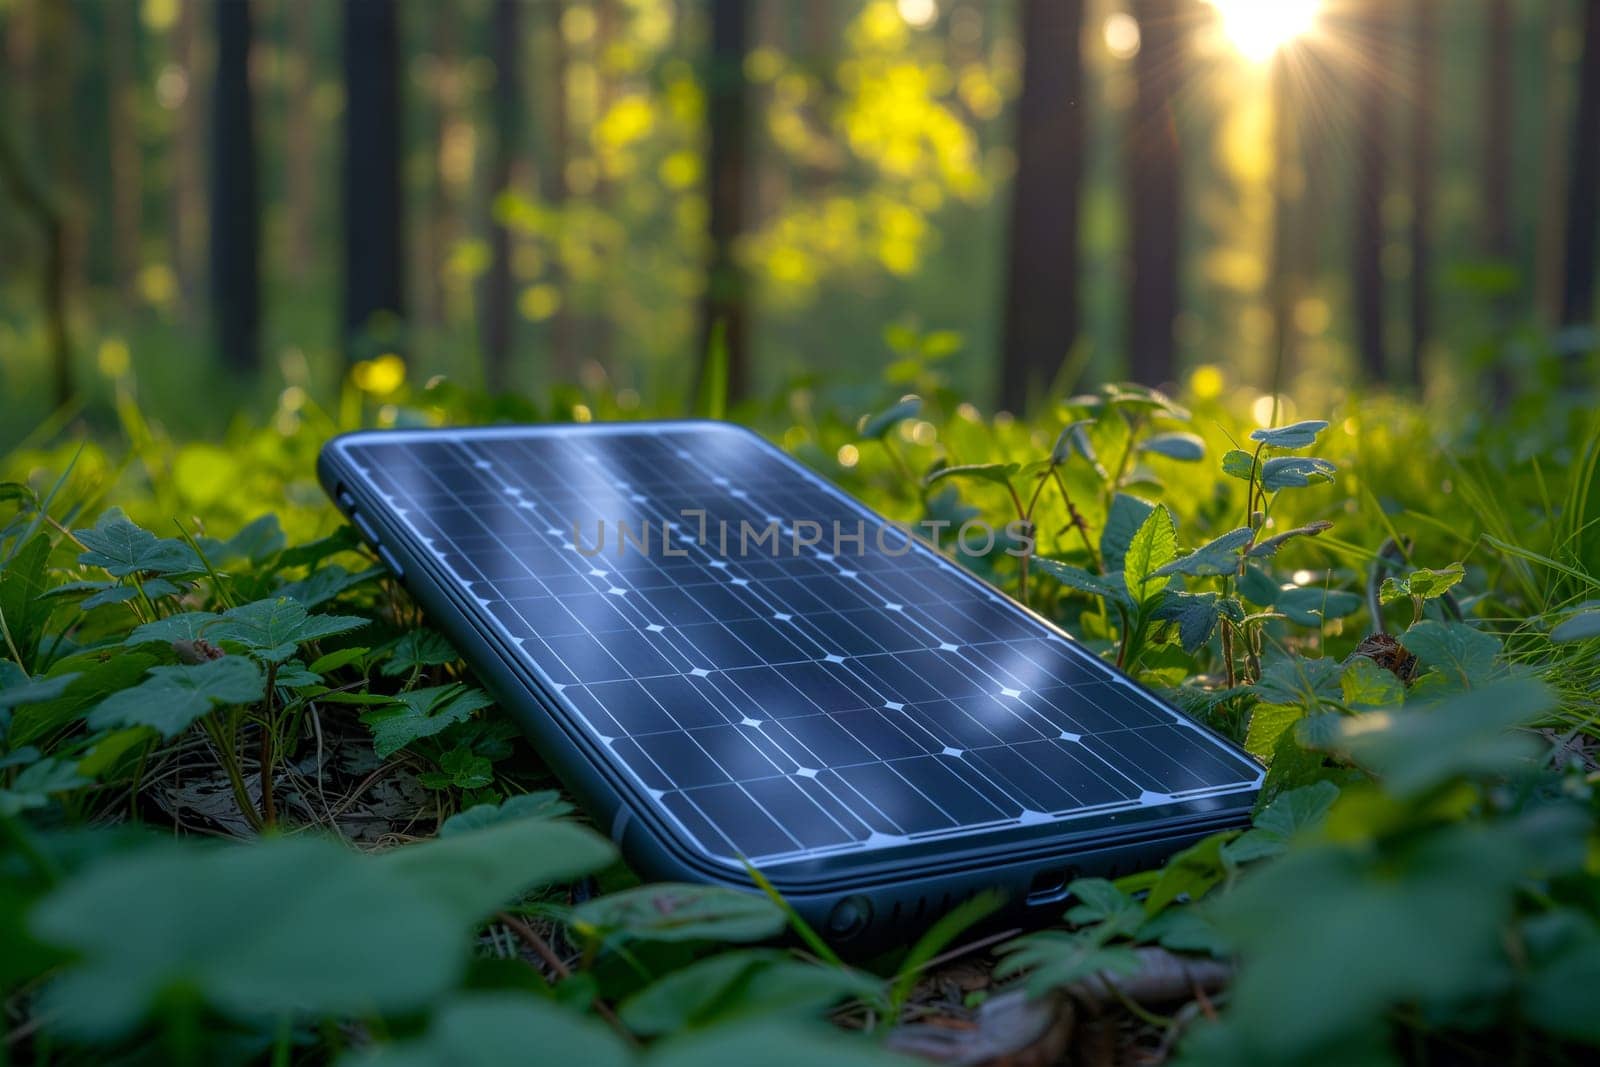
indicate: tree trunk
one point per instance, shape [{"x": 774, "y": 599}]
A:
[
  {"x": 300, "y": 140},
  {"x": 1583, "y": 207},
  {"x": 1424, "y": 90},
  {"x": 1499, "y": 240},
  {"x": 1155, "y": 194},
  {"x": 374, "y": 259},
  {"x": 127, "y": 173},
  {"x": 1372, "y": 164},
  {"x": 723, "y": 315},
  {"x": 188, "y": 163},
  {"x": 1041, "y": 312},
  {"x": 553, "y": 189},
  {"x": 33, "y": 194},
  {"x": 497, "y": 324},
  {"x": 235, "y": 204}
]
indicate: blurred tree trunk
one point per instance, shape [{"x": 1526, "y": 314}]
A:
[
  {"x": 235, "y": 203},
  {"x": 33, "y": 194},
  {"x": 1041, "y": 310},
  {"x": 1424, "y": 119},
  {"x": 497, "y": 325},
  {"x": 374, "y": 258},
  {"x": 126, "y": 171},
  {"x": 1496, "y": 191},
  {"x": 1583, "y": 194},
  {"x": 300, "y": 139},
  {"x": 724, "y": 312},
  {"x": 1282, "y": 282},
  {"x": 553, "y": 191},
  {"x": 438, "y": 233},
  {"x": 188, "y": 164},
  {"x": 1555, "y": 129},
  {"x": 1372, "y": 165},
  {"x": 1155, "y": 193}
]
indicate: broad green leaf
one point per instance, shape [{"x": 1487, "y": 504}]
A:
[
  {"x": 1365, "y": 685},
  {"x": 1296, "y": 435},
  {"x": 38, "y": 690},
  {"x": 327, "y": 582},
  {"x": 1268, "y": 723},
  {"x": 111, "y": 749},
  {"x": 740, "y": 984},
  {"x": 459, "y": 768},
  {"x": 1580, "y": 627},
  {"x": 998, "y": 473},
  {"x": 874, "y": 427},
  {"x": 546, "y": 804},
  {"x": 1153, "y": 547},
  {"x": 1470, "y": 735},
  {"x": 1131, "y": 395},
  {"x": 1184, "y": 930},
  {"x": 1312, "y": 605},
  {"x": 329, "y": 662},
  {"x": 95, "y": 679},
  {"x": 420, "y": 648},
  {"x": 1191, "y": 873},
  {"x": 1290, "y": 813},
  {"x": 37, "y": 783},
  {"x": 1197, "y": 615},
  {"x": 774, "y": 1043},
  {"x": 1463, "y": 656},
  {"x": 1256, "y": 587},
  {"x": 1188, "y": 447},
  {"x": 480, "y": 871},
  {"x": 295, "y": 927},
  {"x": 273, "y": 629},
  {"x": 1074, "y": 437},
  {"x": 489, "y": 1029},
  {"x": 1055, "y": 959},
  {"x": 667, "y": 911},
  {"x": 1424, "y": 584},
  {"x": 1099, "y": 902},
  {"x": 1127, "y": 515},
  {"x": 172, "y": 697},
  {"x": 121, "y": 548},
  {"x": 1558, "y": 995},
  {"x": 422, "y": 713},
  {"x": 1238, "y": 464},
  {"x": 1298, "y": 680},
  {"x": 1220, "y": 556},
  {"x": 257, "y": 542},
  {"x": 1078, "y": 578},
  {"x": 186, "y": 626},
  {"x": 1291, "y": 472}
]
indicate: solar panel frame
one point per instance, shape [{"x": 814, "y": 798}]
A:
[{"x": 601, "y": 779}]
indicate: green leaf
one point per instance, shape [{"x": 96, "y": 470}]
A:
[
  {"x": 1196, "y": 615},
  {"x": 487, "y": 1029},
  {"x": 37, "y": 691},
  {"x": 480, "y": 871},
  {"x": 1365, "y": 685},
  {"x": 1298, "y": 680},
  {"x": 186, "y": 626},
  {"x": 1296, "y": 435},
  {"x": 1256, "y": 587},
  {"x": 329, "y": 662},
  {"x": 1290, "y": 813},
  {"x": 1185, "y": 930},
  {"x": 1098, "y": 902},
  {"x": 1074, "y": 437},
  {"x": 1292, "y": 472},
  {"x": 1270, "y": 546},
  {"x": 1470, "y": 735},
  {"x": 173, "y": 697},
  {"x": 459, "y": 768},
  {"x": 740, "y": 984},
  {"x": 420, "y": 648},
  {"x": 1428, "y": 584},
  {"x": 1268, "y": 723},
  {"x": 96, "y": 678},
  {"x": 667, "y": 911},
  {"x": 111, "y": 749},
  {"x": 272, "y": 629},
  {"x": 327, "y": 582},
  {"x": 546, "y": 804},
  {"x": 1463, "y": 656},
  {"x": 1312, "y": 605},
  {"x": 38, "y": 782},
  {"x": 1238, "y": 464},
  {"x": 293, "y": 927},
  {"x": 998, "y": 473},
  {"x": 422, "y": 713},
  {"x": 1126, "y": 516},
  {"x": 1152, "y": 548},
  {"x": 256, "y": 543},
  {"x": 1056, "y": 958},
  {"x": 121, "y": 548},
  {"x": 1580, "y": 627},
  {"x": 1078, "y": 578},
  {"x": 774, "y": 1043},
  {"x": 874, "y": 427},
  {"x": 1191, "y": 873},
  {"x": 1186, "y": 447},
  {"x": 1220, "y": 556}
]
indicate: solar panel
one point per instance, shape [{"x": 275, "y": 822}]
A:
[{"x": 790, "y": 697}]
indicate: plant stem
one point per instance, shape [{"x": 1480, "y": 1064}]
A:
[
  {"x": 269, "y": 807},
  {"x": 1077, "y": 520}
]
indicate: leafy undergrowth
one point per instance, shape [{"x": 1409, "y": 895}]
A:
[{"x": 254, "y": 809}]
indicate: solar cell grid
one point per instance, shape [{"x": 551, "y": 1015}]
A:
[{"x": 780, "y": 702}]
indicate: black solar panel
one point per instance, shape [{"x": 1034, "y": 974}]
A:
[{"x": 778, "y": 700}]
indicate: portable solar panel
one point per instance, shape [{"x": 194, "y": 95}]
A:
[{"x": 730, "y": 661}]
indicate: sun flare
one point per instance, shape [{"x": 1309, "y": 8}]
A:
[{"x": 1258, "y": 28}]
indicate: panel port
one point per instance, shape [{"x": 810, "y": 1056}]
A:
[{"x": 1048, "y": 886}]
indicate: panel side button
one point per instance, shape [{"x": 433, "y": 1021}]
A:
[{"x": 389, "y": 561}]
